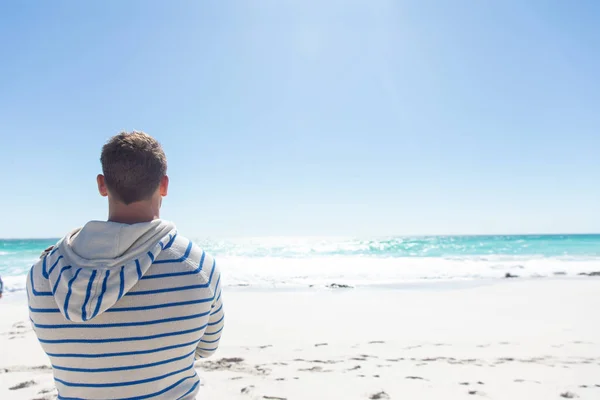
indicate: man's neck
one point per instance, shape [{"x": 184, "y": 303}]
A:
[{"x": 143, "y": 211}]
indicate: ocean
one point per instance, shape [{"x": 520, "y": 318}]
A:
[{"x": 300, "y": 262}]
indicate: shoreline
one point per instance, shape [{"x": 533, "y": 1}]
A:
[{"x": 439, "y": 284}]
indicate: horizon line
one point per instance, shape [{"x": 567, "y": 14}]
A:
[{"x": 358, "y": 236}]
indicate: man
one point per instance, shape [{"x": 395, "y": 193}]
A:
[
  {"x": 1, "y": 287},
  {"x": 124, "y": 307}
]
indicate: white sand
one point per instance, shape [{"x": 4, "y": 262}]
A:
[{"x": 514, "y": 339}]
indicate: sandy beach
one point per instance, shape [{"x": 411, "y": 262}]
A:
[{"x": 502, "y": 339}]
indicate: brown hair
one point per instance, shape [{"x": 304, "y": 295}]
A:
[{"x": 133, "y": 165}]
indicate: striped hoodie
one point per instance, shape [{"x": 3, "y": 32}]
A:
[{"x": 123, "y": 311}]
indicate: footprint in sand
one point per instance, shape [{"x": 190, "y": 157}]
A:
[
  {"x": 25, "y": 369},
  {"x": 568, "y": 395},
  {"x": 477, "y": 393},
  {"x": 22, "y": 385},
  {"x": 416, "y": 378},
  {"x": 235, "y": 364},
  {"x": 523, "y": 381},
  {"x": 247, "y": 389},
  {"x": 379, "y": 396},
  {"x": 315, "y": 369},
  {"x": 261, "y": 370}
]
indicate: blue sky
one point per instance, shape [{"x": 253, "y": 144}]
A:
[{"x": 308, "y": 117}]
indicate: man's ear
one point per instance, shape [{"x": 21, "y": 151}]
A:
[
  {"x": 164, "y": 186},
  {"x": 102, "y": 185}
]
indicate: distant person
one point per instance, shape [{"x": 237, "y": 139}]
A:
[
  {"x": 123, "y": 307},
  {"x": 1, "y": 287}
]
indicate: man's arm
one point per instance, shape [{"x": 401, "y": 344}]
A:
[{"x": 212, "y": 335}]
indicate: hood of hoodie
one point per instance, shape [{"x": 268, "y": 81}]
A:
[{"x": 97, "y": 264}]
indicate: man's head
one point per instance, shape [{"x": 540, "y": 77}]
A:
[{"x": 134, "y": 168}]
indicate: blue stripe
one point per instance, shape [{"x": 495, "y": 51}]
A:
[
  {"x": 219, "y": 297},
  {"x": 151, "y": 256},
  {"x": 53, "y": 265},
  {"x": 54, "y": 250},
  {"x": 214, "y": 333},
  {"x": 66, "y": 305},
  {"x": 180, "y": 259},
  {"x": 139, "y": 270},
  {"x": 156, "y": 276},
  {"x": 101, "y": 297},
  {"x": 122, "y": 284},
  {"x": 201, "y": 263},
  {"x": 212, "y": 271},
  {"x": 217, "y": 289},
  {"x": 197, "y": 270},
  {"x": 170, "y": 242},
  {"x": 125, "y": 339},
  {"x": 128, "y": 368},
  {"x": 35, "y": 292},
  {"x": 203, "y": 349},
  {"x": 87, "y": 296},
  {"x": 121, "y": 354},
  {"x": 179, "y": 382},
  {"x": 44, "y": 272},
  {"x": 43, "y": 310},
  {"x": 63, "y": 269},
  {"x": 210, "y": 341},
  {"x": 189, "y": 391},
  {"x": 122, "y": 324},
  {"x": 120, "y": 384},
  {"x": 165, "y": 305},
  {"x": 216, "y": 311},
  {"x": 216, "y": 322},
  {"x": 175, "y": 289}
]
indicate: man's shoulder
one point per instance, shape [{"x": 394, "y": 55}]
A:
[
  {"x": 43, "y": 258},
  {"x": 190, "y": 254}
]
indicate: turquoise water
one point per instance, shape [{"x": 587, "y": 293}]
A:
[
  {"x": 280, "y": 261},
  {"x": 431, "y": 246},
  {"x": 17, "y": 255}
]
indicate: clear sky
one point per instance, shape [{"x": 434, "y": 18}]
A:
[{"x": 308, "y": 117}]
